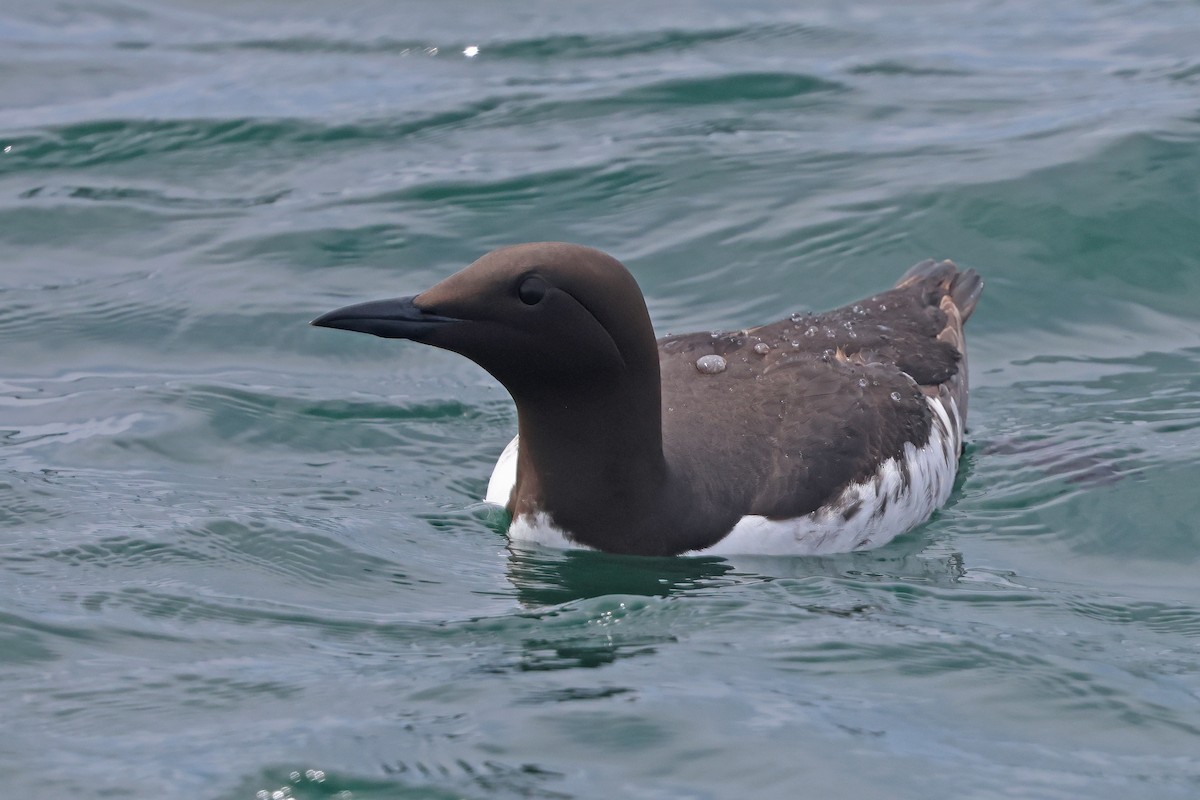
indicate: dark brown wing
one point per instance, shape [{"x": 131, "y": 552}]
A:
[{"x": 814, "y": 402}]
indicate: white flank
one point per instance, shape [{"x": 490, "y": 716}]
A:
[
  {"x": 504, "y": 476},
  {"x": 931, "y": 471}
]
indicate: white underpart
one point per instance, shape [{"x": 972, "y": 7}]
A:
[
  {"x": 504, "y": 476},
  {"x": 931, "y": 469},
  {"x": 540, "y": 529}
]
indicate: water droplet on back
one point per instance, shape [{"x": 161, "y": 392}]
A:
[
  {"x": 895, "y": 396},
  {"x": 710, "y": 364},
  {"x": 762, "y": 348}
]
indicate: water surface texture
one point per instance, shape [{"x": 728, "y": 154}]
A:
[{"x": 240, "y": 557}]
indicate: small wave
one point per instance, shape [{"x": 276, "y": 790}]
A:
[
  {"x": 109, "y": 142},
  {"x": 729, "y": 88},
  {"x": 306, "y": 45},
  {"x": 649, "y": 42},
  {"x": 152, "y": 199},
  {"x": 109, "y": 317},
  {"x": 902, "y": 69},
  {"x": 1173, "y": 619}
]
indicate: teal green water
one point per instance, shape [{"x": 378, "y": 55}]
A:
[{"x": 240, "y": 557}]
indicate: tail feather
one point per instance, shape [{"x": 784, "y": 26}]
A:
[
  {"x": 965, "y": 290},
  {"x": 927, "y": 270},
  {"x": 964, "y": 287}
]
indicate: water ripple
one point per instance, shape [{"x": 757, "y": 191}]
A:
[{"x": 239, "y": 555}]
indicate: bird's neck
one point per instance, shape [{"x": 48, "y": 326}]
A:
[{"x": 592, "y": 457}]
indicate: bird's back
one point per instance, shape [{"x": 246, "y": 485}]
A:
[{"x": 806, "y": 406}]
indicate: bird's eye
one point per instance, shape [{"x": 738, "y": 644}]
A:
[{"x": 532, "y": 290}]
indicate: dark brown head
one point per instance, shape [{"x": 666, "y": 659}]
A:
[{"x": 533, "y": 315}]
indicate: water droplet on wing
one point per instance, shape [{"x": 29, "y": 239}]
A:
[{"x": 710, "y": 364}]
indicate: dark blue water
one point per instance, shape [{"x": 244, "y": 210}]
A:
[{"x": 244, "y": 558}]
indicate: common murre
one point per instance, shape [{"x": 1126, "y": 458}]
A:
[{"x": 818, "y": 433}]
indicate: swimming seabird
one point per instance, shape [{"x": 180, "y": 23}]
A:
[{"x": 818, "y": 433}]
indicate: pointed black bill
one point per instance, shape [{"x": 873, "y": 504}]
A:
[{"x": 398, "y": 318}]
